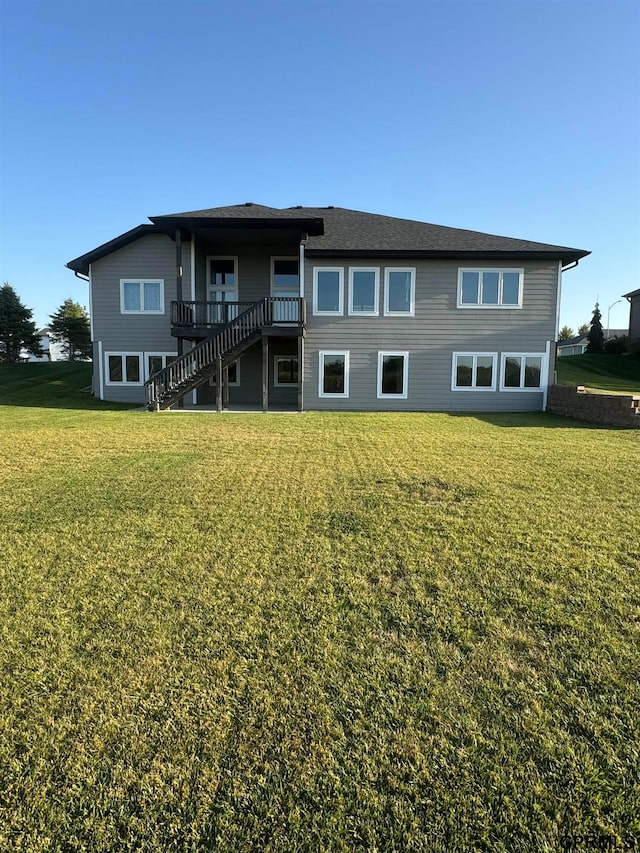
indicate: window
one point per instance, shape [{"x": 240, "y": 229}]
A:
[
  {"x": 328, "y": 290},
  {"x": 156, "y": 361},
  {"x": 222, "y": 279},
  {"x": 490, "y": 288},
  {"x": 141, "y": 296},
  {"x": 123, "y": 368},
  {"x": 285, "y": 370},
  {"x": 364, "y": 284},
  {"x": 234, "y": 374},
  {"x": 474, "y": 371},
  {"x": 334, "y": 374},
  {"x": 393, "y": 368},
  {"x": 285, "y": 288},
  {"x": 399, "y": 291},
  {"x": 285, "y": 276},
  {"x": 521, "y": 371}
]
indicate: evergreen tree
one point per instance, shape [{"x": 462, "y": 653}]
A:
[
  {"x": 70, "y": 327},
  {"x": 17, "y": 329},
  {"x": 596, "y": 335},
  {"x": 566, "y": 332}
]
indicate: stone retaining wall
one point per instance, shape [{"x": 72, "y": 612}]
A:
[{"x": 606, "y": 409}]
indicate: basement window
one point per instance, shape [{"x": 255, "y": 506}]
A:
[
  {"x": 123, "y": 368},
  {"x": 334, "y": 374},
  {"x": 285, "y": 371},
  {"x": 474, "y": 371},
  {"x": 521, "y": 371}
]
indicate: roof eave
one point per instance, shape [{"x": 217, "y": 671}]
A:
[
  {"x": 82, "y": 263},
  {"x": 565, "y": 255}
]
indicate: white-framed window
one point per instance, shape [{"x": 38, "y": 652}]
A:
[
  {"x": 222, "y": 278},
  {"x": 285, "y": 288},
  {"x": 328, "y": 291},
  {"x": 285, "y": 371},
  {"x": 123, "y": 368},
  {"x": 155, "y": 361},
  {"x": 234, "y": 375},
  {"x": 474, "y": 371},
  {"x": 522, "y": 371},
  {"x": 393, "y": 375},
  {"x": 364, "y": 287},
  {"x": 333, "y": 373},
  {"x": 141, "y": 296},
  {"x": 490, "y": 288},
  {"x": 399, "y": 291}
]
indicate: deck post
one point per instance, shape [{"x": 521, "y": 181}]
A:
[
  {"x": 180, "y": 347},
  {"x": 265, "y": 373},
  {"x": 300, "y": 373},
  {"x": 225, "y": 388},
  {"x": 219, "y": 383}
]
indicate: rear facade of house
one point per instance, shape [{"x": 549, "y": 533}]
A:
[{"x": 322, "y": 308}]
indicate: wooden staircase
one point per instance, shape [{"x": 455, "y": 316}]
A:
[{"x": 218, "y": 351}]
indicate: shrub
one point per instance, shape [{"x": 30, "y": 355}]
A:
[{"x": 616, "y": 346}]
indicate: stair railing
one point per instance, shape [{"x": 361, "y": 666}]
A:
[{"x": 188, "y": 366}]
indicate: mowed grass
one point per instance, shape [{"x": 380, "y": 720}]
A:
[
  {"x": 331, "y": 632},
  {"x": 613, "y": 373}
]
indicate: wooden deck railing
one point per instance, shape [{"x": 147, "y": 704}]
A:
[
  {"x": 177, "y": 378},
  {"x": 209, "y": 315}
]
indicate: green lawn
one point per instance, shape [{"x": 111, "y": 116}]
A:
[
  {"x": 319, "y": 632},
  {"x": 617, "y": 373}
]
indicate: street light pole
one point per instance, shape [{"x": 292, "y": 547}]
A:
[{"x": 608, "y": 313}]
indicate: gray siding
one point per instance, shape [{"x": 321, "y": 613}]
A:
[
  {"x": 154, "y": 257},
  {"x": 437, "y": 330}
]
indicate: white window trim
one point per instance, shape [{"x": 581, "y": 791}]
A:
[
  {"x": 211, "y": 286},
  {"x": 163, "y": 355},
  {"x": 475, "y": 355},
  {"x": 376, "y": 297},
  {"x": 122, "y": 356},
  {"x": 141, "y": 282},
  {"x": 321, "y": 355},
  {"x": 412, "y": 301},
  {"x": 278, "y": 358},
  {"x": 340, "y": 311},
  {"x": 275, "y": 258},
  {"x": 522, "y": 389},
  {"x": 236, "y": 384},
  {"x": 405, "y": 375},
  {"x": 500, "y": 270}
]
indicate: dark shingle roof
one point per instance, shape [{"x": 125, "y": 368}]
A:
[
  {"x": 569, "y": 342},
  {"x": 339, "y": 231},
  {"x": 356, "y": 232}
]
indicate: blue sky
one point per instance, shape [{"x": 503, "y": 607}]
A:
[{"x": 518, "y": 118}]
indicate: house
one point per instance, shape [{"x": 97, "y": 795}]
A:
[
  {"x": 578, "y": 344},
  {"x": 633, "y": 298},
  {"x": 322, "y": 308},
  {"x": 51, "y": 350}
]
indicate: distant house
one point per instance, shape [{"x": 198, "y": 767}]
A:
[
  {"x": 578, "y": 344},
  {"x": 51, "y": 350},
  {"x": 634, "y": 314},
  {"x": 572, "y": 346}
]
